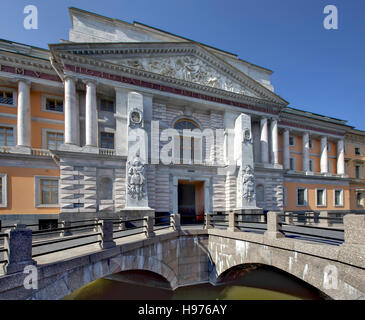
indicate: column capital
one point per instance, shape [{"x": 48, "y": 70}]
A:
[
  {"x": 69, "y": 77},
  {"x": 89, "y": 82},
  {"x": 26, "y": 81}
]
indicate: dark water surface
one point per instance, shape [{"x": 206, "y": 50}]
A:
[{"x": 260, "y": 284}]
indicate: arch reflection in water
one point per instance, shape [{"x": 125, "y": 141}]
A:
[{"x": 246, "y": 282}]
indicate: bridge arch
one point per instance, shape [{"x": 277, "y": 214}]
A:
[
  {"x": 74, "y": 279},
  {"x": 271, "y": 277},
  {"x": 328, "y": 276}
]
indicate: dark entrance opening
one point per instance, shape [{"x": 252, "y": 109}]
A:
[{"x": 191, "y": 201}]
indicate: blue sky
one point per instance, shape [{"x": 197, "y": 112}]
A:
[{"x": 315, "y": 69}]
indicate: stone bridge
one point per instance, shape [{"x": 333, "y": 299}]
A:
[{"x": 186, "y": 256}]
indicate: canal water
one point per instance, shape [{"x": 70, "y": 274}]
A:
[{"x": 259, "y": 284}]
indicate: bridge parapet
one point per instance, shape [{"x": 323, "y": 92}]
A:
[{"x": 354, "y": 229}]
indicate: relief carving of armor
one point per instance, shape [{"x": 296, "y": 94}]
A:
[
  {"x": 136, "y": 179},
  {"x": 248, "y": 184}
]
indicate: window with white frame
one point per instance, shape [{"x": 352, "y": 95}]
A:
[
  {"x": 328, "y": 147},
  {"x": 310, "y": 143},
  {"x": 53, "y": 140},
  {"x": 321, "y": 197},
  {"x": 52, "y": 103},
  {"x": 3, "y": 191},
  {"x": 46, "y": 191},
  {"x": 338, "y": 197},
  {"x": 301, "y": 197},
  {"x": 6, "y": 97},
  {"x": 292, "y": 164},
  {"x": 329, "y": 166},
  {"x": 292, "y": 141},
  {"x": 284, "y": 196},
  {"x": 6, "y": 136}
]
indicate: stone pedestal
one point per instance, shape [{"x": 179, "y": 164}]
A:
[
  {"x": 243, "y": 151},
  {"x": 106, "y": 230},
  {"x": 273, "y": 226},
  {"x": 19, "y": 245},
  {"x": 136, "y": 213}
]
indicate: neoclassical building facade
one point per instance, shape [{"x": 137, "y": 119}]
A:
[{"x": 68, "y": 115}]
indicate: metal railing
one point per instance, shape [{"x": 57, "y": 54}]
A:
[{"x": 307, "y": 228}]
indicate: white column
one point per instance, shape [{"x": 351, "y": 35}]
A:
[
  {"x": 286, "y": 152},
  {"x": 340, "y": 157},
  {"x": 274, "y": 142},
  {"x": 264, "y": 141},
  {"x": 91, "y": 118},
  {"x": 70, "y": 111},
  {"x": 121, "y": 123},
  {"x": 324, "y": 155},
  {"x": 305, "y": 148},
  {"x": 24, "y": 116}
]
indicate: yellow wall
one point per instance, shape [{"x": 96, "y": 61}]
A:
[
  {"x": 21, "y": 199},
  {"x": 291, "y": 189}
]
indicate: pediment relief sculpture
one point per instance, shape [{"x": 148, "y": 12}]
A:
[{"x": 188, "y": 68}]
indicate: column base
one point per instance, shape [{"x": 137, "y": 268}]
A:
[
  {"x": 273, "y": 235},
  {"x": 108, "y": 244},
  {"x": 19, "y": 266},
  {"x": 136, "y": 212}
]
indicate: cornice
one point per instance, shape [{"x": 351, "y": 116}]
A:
[
  {"x": 136, "y": 50},
  {"x": 27, "y": 67},
  {"x": 23, "y": 61},
  {"x": 79, "y": 65}
]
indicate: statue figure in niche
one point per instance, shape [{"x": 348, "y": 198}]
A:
[
  {"x": 136, "y": 178},
  {"x": 248, "y": 184}
]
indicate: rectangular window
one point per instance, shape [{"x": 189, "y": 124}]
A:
[
  {"x": 301, "y": 196},
  {"x": 48, "y": 191},
  {"x": 321, "y": 197},
  {"x": 338, "y": 197},
  {"x": 6, "y": 97},
  {"x": 311, "y": 165},
  {"x": 360, "y": 199},
  {"x": 6, "y": 136},
  {"x": 53, "y": 104},
  {"x": 310, "y": 143},
  {"x": 328, "y": 147},
  {"x": 329, "y": 166},
  {"x": 3, "y": 191},
  {"x": 107, "y": 140},
  {"x": 358, "y": 172},
  {"x": 292, "y": 164},
  {"x": 292, "y": 141},
  {"x": 357, "y": 151},
  {"x": 54, "y": 140},
  {"x": 106, "y": 105}
]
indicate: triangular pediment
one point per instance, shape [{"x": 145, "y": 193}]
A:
[{"x": 188, "y": 62}]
